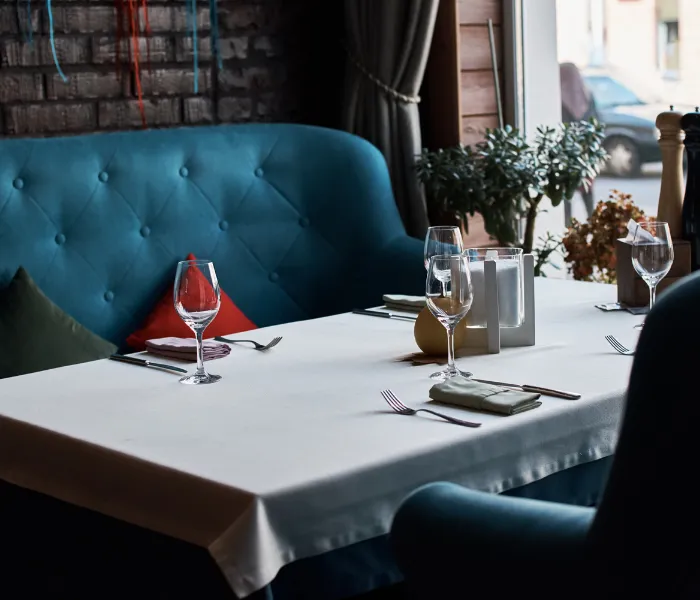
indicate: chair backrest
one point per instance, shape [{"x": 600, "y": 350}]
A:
[
  {"x": 288, "y": 213},
  {"x": 649, "y": 514}
]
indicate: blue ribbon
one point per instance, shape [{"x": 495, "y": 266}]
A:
[
  {"x": 214, "y": 23},
  {"x": 193, "y": 16},
  {"x": 53, "y": 42}
]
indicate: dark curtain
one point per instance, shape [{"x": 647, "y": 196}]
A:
[{"x": 388, "y": 42}]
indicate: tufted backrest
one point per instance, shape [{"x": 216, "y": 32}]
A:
[{"x": 289, "y": 214}]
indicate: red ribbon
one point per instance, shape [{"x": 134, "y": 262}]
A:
[{"x": 133, "y": 18}]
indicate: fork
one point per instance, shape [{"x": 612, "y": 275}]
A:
[
  {"x": 397, "y": 406},
  {"x": 258, "y": 346},
  {"x": 618, "y": 346}
]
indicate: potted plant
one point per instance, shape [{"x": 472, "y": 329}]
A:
[
  {"x": 505, "y": 177},
  {"x": 566, "y": 158},
  {"x": 453, "y": 183}
]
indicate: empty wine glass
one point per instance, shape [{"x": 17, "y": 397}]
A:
[
  {"x": 652, "y": 255},
  {"x": 442, "y": 241},
  {"x": 197, "y": 299},
  {"x": 449, "y": 295}
]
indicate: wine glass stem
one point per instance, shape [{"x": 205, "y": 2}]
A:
[
  {"x": 652, "y": 294},
  {"x": 200, "y": 351},
  {"x": 444, "y": 289},
  {"x": 451, "y": 349}
]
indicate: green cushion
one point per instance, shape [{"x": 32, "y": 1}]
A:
[{"x": 35, "y": 334}]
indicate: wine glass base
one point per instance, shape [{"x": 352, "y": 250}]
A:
[
  {"x": 200, "y": 379},
  {"x": 445, "y": 374}
]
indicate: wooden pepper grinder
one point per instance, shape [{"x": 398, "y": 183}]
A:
[
  {"x": 691, "y": 202},
  {"x": 671, "y": 195}
]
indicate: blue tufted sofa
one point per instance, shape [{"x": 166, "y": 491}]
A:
[{"x": 300, "y": 221}]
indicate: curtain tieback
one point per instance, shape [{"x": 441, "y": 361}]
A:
[{"x": 390, "y": 91}]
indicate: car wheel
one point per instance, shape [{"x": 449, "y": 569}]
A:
[{"x": 624, "y": 158}]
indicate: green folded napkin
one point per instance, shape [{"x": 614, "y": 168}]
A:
[
  {"x": 405, "y": 303},
  {"x": 461, "y": 391}
]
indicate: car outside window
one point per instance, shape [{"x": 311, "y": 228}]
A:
[{"x": 608, "y": 93}]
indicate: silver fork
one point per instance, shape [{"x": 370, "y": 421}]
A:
[
  {"x": 618, "y": 346},
  {"x": 257, "y": 346},
  {"x": 397, "y": 406}
]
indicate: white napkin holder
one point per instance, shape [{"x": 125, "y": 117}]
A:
[{"x": 493, "y": 337}]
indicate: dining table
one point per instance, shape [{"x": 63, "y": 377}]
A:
[{"x": 294, "y": 454}]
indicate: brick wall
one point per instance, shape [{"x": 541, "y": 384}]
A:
[{"x": 273, "y": 66}]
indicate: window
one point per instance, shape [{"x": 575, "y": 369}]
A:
[
  {"x": 632, "y": 58},
  {"x": 669, "y": 50}
]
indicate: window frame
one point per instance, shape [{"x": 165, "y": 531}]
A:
[{"x": 531, "y": 65}]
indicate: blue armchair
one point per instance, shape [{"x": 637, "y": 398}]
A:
[{"x": 641, "y": 542}]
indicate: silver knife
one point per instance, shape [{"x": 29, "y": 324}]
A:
[
  {"x": 380, "y": 313},
  {"x": 535, "y": 389},
  {"x": 145, "y": 363}
]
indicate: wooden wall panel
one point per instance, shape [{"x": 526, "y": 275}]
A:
[
  {"x": 478, "y": 93},
  {"x": 459, "y": 100},
  {"x": 477, "y": 12},
  {"x": 474, "y": 47},
  {"x": 474, "y": 128}
]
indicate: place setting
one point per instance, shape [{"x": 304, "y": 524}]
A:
[
  {"x": 466, "y": 293},
  {"x": 651, "y": 258},
  {"x": 197, "y": 301}
]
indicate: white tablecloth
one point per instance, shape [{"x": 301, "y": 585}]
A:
[{"x": 294, "y": 453}]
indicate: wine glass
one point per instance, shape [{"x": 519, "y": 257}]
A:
[
  {"x": 442, "y": 241},
  {"x": 449, "y": 295},
  {"x": 197, "y": 300},
  {"x": 652, "y": 255}
]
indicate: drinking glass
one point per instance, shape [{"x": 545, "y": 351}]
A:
[
  {"x": 442, "y": 241},
  {"x": 197, "y": 300},
  {"x": 449, "y": 295},
  {"x": 652, "y": 255}
]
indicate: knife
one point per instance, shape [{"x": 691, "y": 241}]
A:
[
  {"x": 534, "y": 389},
  {"x": 145, "y": 363},
  {"x": 385, "y": 315}
]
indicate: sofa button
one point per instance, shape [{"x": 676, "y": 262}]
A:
[
  {"x": 304, "y": 222},
  {"x": 223, "y": 225},
  {"x": 60, "y": 239},
  {"x": 18, "y": 183},
  {"x": 184, "y": 172},
  {"x": 274, "y": 277},
  {"x": 259, "y": 172},
  {"x": 103, "y": 177},
  {"x": 109, "y": 296},
  {"x": 145, "y": 231}
]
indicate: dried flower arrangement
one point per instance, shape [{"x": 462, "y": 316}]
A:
[{"x": 590, "y": 246}]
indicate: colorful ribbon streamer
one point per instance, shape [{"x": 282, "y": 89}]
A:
[
  {"x": 52, "y": 40},
  {"x": 136, "y": 56}
]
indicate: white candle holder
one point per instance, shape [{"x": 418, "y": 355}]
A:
[{"x": 493, "y": 337}]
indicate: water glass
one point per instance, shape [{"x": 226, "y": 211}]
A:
[
  {"x": 442, "y": 241},
  {"x": 449, "y": 296},
  {"x": 197, "y": 298},
  {"x": 652, "y": 255}
]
